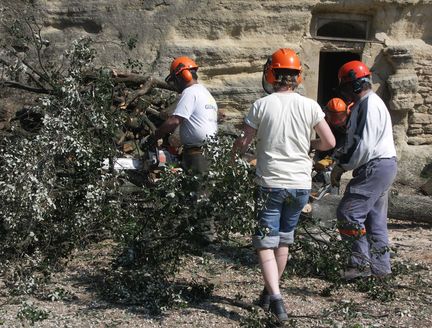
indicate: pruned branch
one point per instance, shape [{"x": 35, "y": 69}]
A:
[
  {"x": 17, "y": 85},
  {"x": 132, "y": 80},
  {"x": 149, "y": 123},
  {"x": 35, "y": 80}
]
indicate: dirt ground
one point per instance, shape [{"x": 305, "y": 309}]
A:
[{"x": 235, "y": 275}]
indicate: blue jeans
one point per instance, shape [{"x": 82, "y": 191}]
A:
[{"x": 278, "y": 211}]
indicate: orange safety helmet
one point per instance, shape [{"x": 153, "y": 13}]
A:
[
  {"x": 336, "y": 112},
  {"x": 181, "y": 66},
  {"x": 282, "y": 58},
  {"x": 336, "y": 105},
  {"x": 352, "y": 71}
]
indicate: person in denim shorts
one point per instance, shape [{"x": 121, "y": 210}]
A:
[{"x": 283, "y": 124}]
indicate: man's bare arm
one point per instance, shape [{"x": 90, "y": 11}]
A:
[
  {"x": 326, "y": 139},
  {"x": 242, "y": 143},
  {"x": 168, "y": 126}
]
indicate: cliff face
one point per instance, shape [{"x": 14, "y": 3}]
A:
[{"x": 231, "y": 40}]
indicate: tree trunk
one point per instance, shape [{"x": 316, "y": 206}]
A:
[{"x": 415, "y": 208}]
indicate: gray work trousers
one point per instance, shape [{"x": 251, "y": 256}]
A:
[
  {"x": 194, "y": 162},
  {"x": 363, "y": 208}
]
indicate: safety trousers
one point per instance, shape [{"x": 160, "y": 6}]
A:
[{"x": 362, "y": 214}]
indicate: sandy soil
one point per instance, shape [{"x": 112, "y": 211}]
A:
[{"x": 233, "y": 271}]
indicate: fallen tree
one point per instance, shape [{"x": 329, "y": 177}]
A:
[{"x": 415, "y": 208}]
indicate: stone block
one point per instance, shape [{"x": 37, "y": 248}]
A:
[
  {"x": 415, "y": 132},
  {"x": 424, "y": 88},
  {"x": 403, "y": 83},
  {"x": 415, "y": 126},
  {"x": 422, "y": 109},
  {"x": 420, "y": 118},
  {"x": 418, "y": 99},
  {"x": 427, "y": 71},
  {"x": 427, "y": 129},
  {"x": 401, "y": 104},
  {"x": 420, "y": 140},
  {"x": 399, "y": 56}
]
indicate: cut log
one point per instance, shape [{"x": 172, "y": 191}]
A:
[
  {"x": 414, "y": 208},
  {"x": 410, "y": 207}
]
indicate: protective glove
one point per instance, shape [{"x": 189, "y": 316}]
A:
[
  {"x": 323, "y": 164},
  {"x": 150, "y": 142},
  {"x": 336, "y": 175}
]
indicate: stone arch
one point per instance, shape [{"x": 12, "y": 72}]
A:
[{"x": 343, "y": 29}]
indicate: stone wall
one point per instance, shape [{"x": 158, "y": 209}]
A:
[{"x": 420, "y": 119}]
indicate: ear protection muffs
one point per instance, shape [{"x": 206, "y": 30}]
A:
[
  {"x": 183, "y": 72},
  {"x": 299, "y": 78},
  {"x": 186, "y": 75},
  {"x": 357, "y": 84}
]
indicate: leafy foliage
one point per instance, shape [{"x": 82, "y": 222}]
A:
[
  {"x": 318, "y": 251},
  {"x": 32, "y": 313},
  {"x": 52, "y": 189},
  {"x": 158, "y": 226}
]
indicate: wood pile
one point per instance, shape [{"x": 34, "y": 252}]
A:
[{"x": 144, "y": 104}]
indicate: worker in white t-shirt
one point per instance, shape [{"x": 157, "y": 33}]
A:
[
  {"x": 197, "y": 114},
  {"x": 284, "y": 124}
]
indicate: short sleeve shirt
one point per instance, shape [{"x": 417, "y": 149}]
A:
[
  {"x": 199, "y": 109},
  {"x": 284, "y": 122}
]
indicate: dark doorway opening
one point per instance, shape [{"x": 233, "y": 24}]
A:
[
  {"x": 350, "y": 30},
  {"x": 329, "y": 64}
]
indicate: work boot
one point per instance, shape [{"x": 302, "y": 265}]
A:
[
  {"x": 264, "y": 300},
  {"x": 277, "y": 307},
  {"x": 352, "y": 273}
]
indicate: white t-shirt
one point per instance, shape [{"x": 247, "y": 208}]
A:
[
  {"x": 284, "y": 122},
  {"x": 199, "y": 109}
]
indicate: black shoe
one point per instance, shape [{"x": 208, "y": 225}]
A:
[
  {"x": 277, "y": 307},
  {"x": 264, "y": 300}
]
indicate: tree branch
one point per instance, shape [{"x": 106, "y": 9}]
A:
[{"x": 17, "y": 85}]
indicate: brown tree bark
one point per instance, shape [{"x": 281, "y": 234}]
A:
[{"x": 415, "y": 208}]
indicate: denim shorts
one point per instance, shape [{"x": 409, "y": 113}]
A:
[{"x": 277, "y": 211}]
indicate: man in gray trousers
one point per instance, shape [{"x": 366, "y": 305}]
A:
[{"x": 370, "y": 152}]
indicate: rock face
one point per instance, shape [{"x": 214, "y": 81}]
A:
[{"x": 231, "y": 40}]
